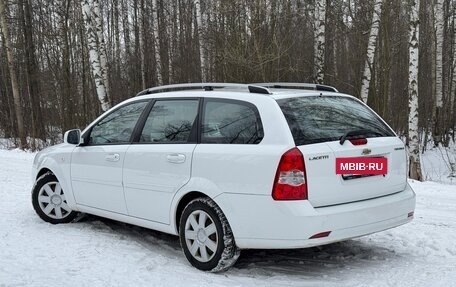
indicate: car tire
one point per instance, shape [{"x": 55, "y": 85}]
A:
[
  {"x": 206, "y": 237},
  {"x": 49, "y": 201}
]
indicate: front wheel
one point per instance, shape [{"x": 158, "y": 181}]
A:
[
  {"x": 49, "y": 201},
  {"x": 206, "y": 236}
]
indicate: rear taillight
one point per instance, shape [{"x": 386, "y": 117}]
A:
[{"x": 290, "y": 179}]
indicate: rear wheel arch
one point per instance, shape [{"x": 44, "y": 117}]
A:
[
  {"x": 206, "y": 236},
  {"x": 183, "y": 201},
  {"x": 43, "y": 171}
]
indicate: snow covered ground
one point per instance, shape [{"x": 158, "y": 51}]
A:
[
  {"x": 437, "y": 164},
  {"x": 100, "y": 252}
]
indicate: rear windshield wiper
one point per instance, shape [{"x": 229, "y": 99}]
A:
[{"x": 357, "y": 133}]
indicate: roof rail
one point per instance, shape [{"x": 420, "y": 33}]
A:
[
  {"x": 304, "y": 86},
  {"x": 206, "y": 87}
]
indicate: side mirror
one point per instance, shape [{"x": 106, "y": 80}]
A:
[{"x": 72, "y": 137}]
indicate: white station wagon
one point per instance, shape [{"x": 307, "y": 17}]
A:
[{"x": 230, "y": 167}]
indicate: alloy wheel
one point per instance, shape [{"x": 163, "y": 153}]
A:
[
  {"x": 201, "y": 236},
  {"x": 52, "y": 201}
]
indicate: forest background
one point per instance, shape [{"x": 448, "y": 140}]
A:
[{"x": 64, "y": 62}]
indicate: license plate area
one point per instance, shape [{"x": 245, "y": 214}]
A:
[
  {"x": 359, "y": 167},
  {"x": 355, "y": 176}
]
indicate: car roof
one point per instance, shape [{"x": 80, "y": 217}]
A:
[
  {"x": 275, "y": 91},
  {"x": 291, "y": 93},
  {"x": 276, "y": 95}
]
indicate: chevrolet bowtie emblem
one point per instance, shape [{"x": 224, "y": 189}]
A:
[{"x": 366, "y": 151}]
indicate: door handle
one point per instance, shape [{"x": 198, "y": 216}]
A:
[
  {"x": 112, "y": 157},
  {"x": 175, "y": 158}
]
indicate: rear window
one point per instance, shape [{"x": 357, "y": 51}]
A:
[{"x": 328, "y": 118}]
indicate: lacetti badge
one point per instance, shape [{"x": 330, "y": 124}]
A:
[
  {"x": 362, "y": 165},
  {"x": 319, "y": 157}
]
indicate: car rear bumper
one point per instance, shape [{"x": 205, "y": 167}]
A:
[{"x": 260, "y": 222}]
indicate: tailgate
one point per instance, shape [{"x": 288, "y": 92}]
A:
[{"x": 325, "y": 187}]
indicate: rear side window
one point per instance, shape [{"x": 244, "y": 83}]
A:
[
  {"x": 231, "y": 122},
  {"x": 328, "y": 118}
]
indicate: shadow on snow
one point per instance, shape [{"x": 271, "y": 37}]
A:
[{"x": 328, "y": 261}]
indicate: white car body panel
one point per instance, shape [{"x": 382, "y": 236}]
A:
[
  {"x": 260, "y": 222},
  {"x": 127, "y": 219},
  {"x": 144, "y": 188},
  {"x": 153, "y": 173},
  {"x": 333, "y": 189},
  {"x": 96, "y": 177},
  {"x": 248, "y": 169},
  {"x": 199, "y": 184},
  {"x": 56, "y": 159}
]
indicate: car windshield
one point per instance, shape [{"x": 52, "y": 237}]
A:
[{"x": 315, "y": 119}]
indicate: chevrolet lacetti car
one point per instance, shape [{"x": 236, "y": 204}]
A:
[{"x": 230, "y": 167}]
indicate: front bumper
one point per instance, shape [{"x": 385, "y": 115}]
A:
[{"x": 260, "y": 222}]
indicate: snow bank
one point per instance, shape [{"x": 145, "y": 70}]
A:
[{"x": 437, "y": 164}]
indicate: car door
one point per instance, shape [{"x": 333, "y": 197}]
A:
[
  {"x": 96, "y": 167},
  {"x": 229, "y": 153},
  {"x": 159, "y": 162}
]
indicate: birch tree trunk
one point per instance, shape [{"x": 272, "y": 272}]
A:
[
  {"x": 319, "y": 44},
  {"x": 94, "y": 55},
  {"x": 439, "y": 34},
  {"x": 248, "y": 18},
  {"x": 201, "y": 42},
  {"x": 141, "y": 44},
  {"x": 158, "y": 62},
  {"x": 13, "y": 76},
  {"x": 413, "y": 138},
  {"x": 126, "y": 27},
  {"x": 96, "y": 14},
  {"x": 452, "y": 95},
  {"x": 439, "y": 22},
  {"x": 172, "y": 35},
  {"x": 371, "y": 48}
]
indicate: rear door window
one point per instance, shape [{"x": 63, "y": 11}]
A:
[
  {"x": 170, "y": 121},
  {"x": 231, "y": 122},
  {"x": 328, "y": 118}
]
